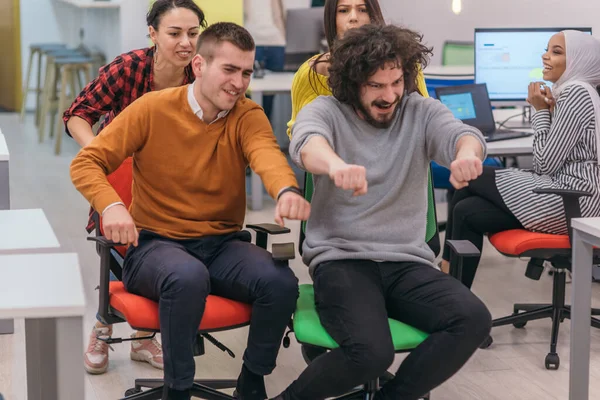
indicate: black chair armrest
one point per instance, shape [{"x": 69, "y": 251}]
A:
[
  {"x": 462, "y": 249},
  {"x": 271, "y": 229},
  {"x": 104, "y": 247},
  {"x": 283, "y": 251},
  {"x": 570, "y": 200},
  {"x": 263, "y": 230},
  {"x": 103, "y": 242},
  {"x": 563, "y": 192}
]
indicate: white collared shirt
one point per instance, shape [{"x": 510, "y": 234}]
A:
[{"x": 196, "y": 107}]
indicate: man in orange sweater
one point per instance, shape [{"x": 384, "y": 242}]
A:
[{"x": 190, "y": 148}]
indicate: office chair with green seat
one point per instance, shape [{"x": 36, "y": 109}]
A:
[
  {"x": 458, "y": 53},
  {"x": 313, "y": 337}
]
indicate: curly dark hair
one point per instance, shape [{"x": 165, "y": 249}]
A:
[{"x": 362, "y": 51}]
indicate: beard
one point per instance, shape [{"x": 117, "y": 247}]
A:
[{"x": 379, "y": 124}]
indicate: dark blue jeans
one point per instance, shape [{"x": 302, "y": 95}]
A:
[
  {"x": 179, "y": 275},
  {"x": 354, "y": 299},
  {"x": 273, "y": 59}
]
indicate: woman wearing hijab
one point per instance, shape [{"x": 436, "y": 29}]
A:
[{"x": 566, "y": 154}]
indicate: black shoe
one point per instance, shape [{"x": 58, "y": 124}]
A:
[{"x": 250, "y": 386}]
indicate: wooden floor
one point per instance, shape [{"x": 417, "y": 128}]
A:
[{"x": 513, "y": 368}]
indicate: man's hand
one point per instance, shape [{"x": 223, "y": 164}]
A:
[
  {"x": 118, "y": 226},
  {"x": 465, "y": 168},
  {"x": 291, "y": 206},
  {"x": 349, "y": 177}
]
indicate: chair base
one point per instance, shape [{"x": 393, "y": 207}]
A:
[
  {"x": 368, "y": 394},
  {"x": 203, "y": 389},
  {"x": 557, "y": 311}
]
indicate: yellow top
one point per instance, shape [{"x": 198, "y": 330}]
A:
[{"x": 303, "y": 92}]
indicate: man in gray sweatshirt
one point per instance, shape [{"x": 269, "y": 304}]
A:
[{"x": 369, "y": 148}]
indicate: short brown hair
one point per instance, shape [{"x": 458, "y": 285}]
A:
[
  {"x": 362, "y": 51},
  {"x": 221, "y": 32}
]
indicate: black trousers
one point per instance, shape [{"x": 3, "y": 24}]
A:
[
  {"x": 180, "y": 274},
  {"x": 354, "y": 299},
  {"x": 473, "y": 212}
]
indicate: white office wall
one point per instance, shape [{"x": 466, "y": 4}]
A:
[
  {"x": 45, "y": 21},
  {"x": 435, "y": 20}
]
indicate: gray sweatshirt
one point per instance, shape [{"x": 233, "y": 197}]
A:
[{"x": 389, "y": 222}]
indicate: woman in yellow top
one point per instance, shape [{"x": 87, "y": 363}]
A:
[{"x": 310, "y": 81}]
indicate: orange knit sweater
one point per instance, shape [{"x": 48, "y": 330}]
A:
[{"x": 189, "y": 176}]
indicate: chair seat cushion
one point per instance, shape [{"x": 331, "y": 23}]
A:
[
  {"x": 140, "y": 312},
  {"x": 308, "y": 328},
  {"x": 518, "y": 241}
]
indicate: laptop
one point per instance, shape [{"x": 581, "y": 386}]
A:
[{"x": 471, "y": 104}]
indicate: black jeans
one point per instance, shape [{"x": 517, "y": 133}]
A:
[
  {"x": 473, "y": 212},
  {"x": 354, "y": 299},
  {"x": 180, "y": 274}
]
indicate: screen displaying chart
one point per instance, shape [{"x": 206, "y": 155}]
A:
[
  {"x": 461, "y": 105},
  {"x": 507, "y": 60}
]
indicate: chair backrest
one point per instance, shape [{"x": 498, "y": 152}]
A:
[
  {"x": 121, "y": 180},
  {"x": 458, "y": 53},
  {"x": 431, "y": 233}
]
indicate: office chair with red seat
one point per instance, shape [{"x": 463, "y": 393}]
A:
[
  {"x": 117, "y": 305},
  {"x": 540, "y": 248}
]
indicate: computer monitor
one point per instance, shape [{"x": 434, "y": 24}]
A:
[
  {"x": 508, "y": 59},
  {"x": 304, "y": 31}
]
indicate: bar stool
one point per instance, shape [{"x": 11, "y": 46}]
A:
[
  {"x": 49, "y": 91},
  {"x": 40, "y": 50},
  {"x": 66, "y": 71}
]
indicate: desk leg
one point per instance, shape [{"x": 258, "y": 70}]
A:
[
  {"x": 4, "y": 186},
  {"x": 54, "y": 354},
  {"x": 6, "y": 325},
  {"x": 255, "y": 182},
  {"x": 579, "y": 374}
]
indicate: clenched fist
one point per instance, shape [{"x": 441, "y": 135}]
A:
[
  {"x": 291, "y": 206},
  {"x": 350, "y": 177},
  {"x": 118, "y": 226},
  {"x": 465, "y": 169}
]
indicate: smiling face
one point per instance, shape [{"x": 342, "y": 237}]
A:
[
  {"x": 555, "y": 58},
  {"x": 176, "y": 36},
  {"x": 222, "y": 78},
  {"x": 380, "y": 96},
  {"x": 350, "y": 14}
]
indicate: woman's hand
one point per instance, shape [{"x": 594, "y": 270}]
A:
[{"x": 540, "y": 96}]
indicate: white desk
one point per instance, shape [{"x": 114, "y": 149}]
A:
[
  {"x": 272, "y": 83},
  {"x": 23, "y": 230},
  {"x": 4, "y": 174},
  {"x": 586, "y": 235},
  {"x": 511, "y": 147},
  {"x": 46, "y": 290},
  {"x": 449, "y": 72}
]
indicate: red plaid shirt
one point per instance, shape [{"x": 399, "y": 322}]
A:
[{"x": 118, "y": 84}]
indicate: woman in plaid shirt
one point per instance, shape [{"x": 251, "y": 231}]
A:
[{"x": 174, "y": 26}]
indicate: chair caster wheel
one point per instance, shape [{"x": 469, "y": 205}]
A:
[
  {"x": 518, "y": 325},
  {"x": 132, "y": 391},
  {"x": 552, "y": 361},
  {"x": 486, "y": 343}
]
